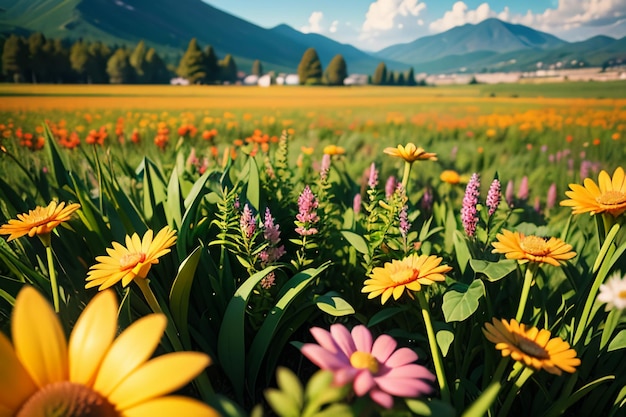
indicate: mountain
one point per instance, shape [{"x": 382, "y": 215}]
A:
[
  {"x": 168, "y": 25},
  {"x": 490, "y": 35}
]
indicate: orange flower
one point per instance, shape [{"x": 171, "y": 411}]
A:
[
  {"x": 515, "y": 245},
  {"x": 334, "y": 150},
  {"x": 40, "y": 221},
  {"x": 410, "y": 153},
  {"x": 609, "y": 195},
  {"x": 450, "y": 176}
]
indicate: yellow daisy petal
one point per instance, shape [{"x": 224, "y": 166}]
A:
[
  {"x": 15, "y": 383},
  {"x": 171, "y": 406}
]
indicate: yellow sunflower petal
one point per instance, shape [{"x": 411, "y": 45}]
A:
[
  {"x": 173, "y": 371},
  {"x": 15, "y": 383},
  {"x": 38, "y": 338},
  {"x": 604, "y": 181},
  {"x": 92, "y": 336},
  {"x": 129, "y": 351},
  {"x": 171, "y": 406}
]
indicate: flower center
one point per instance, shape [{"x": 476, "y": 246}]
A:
[
  {"x": 531, "y": 348},
  {"x": 130, "y": 260},
  {"x": 404, "y": 276},
  {"x": 612, "y": 198},
  {"x": 622, "y": 294},
  {"x": 534, "y": 245},
  {"x": 363, "y": 360},
  {"x": 67, "y": 399}
]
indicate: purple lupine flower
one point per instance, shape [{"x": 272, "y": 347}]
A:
[
  {"x": 372, "y": 180},
  {"x": 427, "y": 199},
  {"x": 544, "y": 148},
  {"x": 537, "y": 205},
  {"x": 494, "y": 196},
  {"x": 552, "y": 195},
  {"x": 469, "y": 214},
  {"x": 325, "y": 167},
  {"x": 247, "y": 222},
  {"x": 509, "y": 193},
  {"x": 237, "y": 203},
  {"x": 390, "y": 187},
  {"x": 522, "y": 192},
  {"x": 270, "y": 229},
  {"x": 307, "y": 213},
  {"x": 584, "y": 169},
  {"x": 192, "y": 159},
  {"x": 404, "y": 221},
  {"x": 356, "y": 203}
]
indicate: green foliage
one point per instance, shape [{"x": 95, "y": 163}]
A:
[
  {"x": 192, "y": 65},
  {"x": 15, "y": 58},
  {"x": 310, "y": 68},
  {"x": 380, "y": 74},
  {"x": 336, "y": 71},
  {"x": 257, "y": 68},
  {"x": 228, "y": 69}
]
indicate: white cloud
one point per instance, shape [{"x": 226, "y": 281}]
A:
[
  {"x": 315, "y": 21},
  {"x": 460, "y": 15},
  {"x": 333, "y": 26},
  {"x": 382, "y": 14}
]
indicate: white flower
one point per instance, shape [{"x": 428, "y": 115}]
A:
[{"x": 613, "y": 292}]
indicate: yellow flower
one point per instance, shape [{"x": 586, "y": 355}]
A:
[
  {"x": 334, "y": 150},
  {"x": 132, "y": 261},
  {"x": 409, "y": 273},
  {"x": 410, "y": 153},
  {"x": 40, "y": 221},
  {"x": 532, "y": 347},
  {"x": 608, "y": 196},
  {"x": 450, "y": 176},
  {"x": 307, "y": 150},
  {"x": 515, "y": 245},
  {"x": 43, "y": 374}
]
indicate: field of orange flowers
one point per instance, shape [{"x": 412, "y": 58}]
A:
[{"x": 384, "y": 252}]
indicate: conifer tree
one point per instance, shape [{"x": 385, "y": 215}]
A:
[
  {"x": 138, "y": 62},
  {"x": 79, "y": 56},
  {"x": 410, "y": 78},
  {"x": 212, "y": 65},
  {"x": 257, "y": 68},
  {"x": 229, "y": 69},
  {"x": 380, "y": 75},
  {"x": 38, "y": 59},
  {"x": 310, "y": 68},
  {"x": 15, "y": 58},
  {"x": 156, "y": 70},
  {"x": 192, "y": 65},
  {"x": 96, "y": 65},
  {"x": 118, "y": 67},
  {"x": 337, "y": 71}
]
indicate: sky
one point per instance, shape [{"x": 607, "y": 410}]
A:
[{"x": 373, "y": 25}]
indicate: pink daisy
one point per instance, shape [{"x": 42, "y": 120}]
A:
[{"x": 373, "y": 367}]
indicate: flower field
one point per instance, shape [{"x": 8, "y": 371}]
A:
[{"x": 300, "y": 251}]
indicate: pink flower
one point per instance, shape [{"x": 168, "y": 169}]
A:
[{"x": 373, "y": 367}]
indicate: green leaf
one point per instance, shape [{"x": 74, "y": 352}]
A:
[
  {"x": 173, "y": 209},
  {"x": 461, "y": 250},
  {"x": 480, "y": 406},
  {"x": 459, "y": 305},
  {"x": 332, "y": 303},
  {"x": 57, "y": 165},
  {"x": 618, "y": 342},
  {"x": 180, "y": 291},
  {"x": 432, "y": 407},
  {"x": 559, "y": 407},
  {"x": 253, "y": 187},
  {"x": 494, "y": 271},
  {"x": 356, "y": 240},
  {"x": 281, "y": 403},
  {"x": 231, "y": 349},
  {"x": 444, "y": 340},
  {"x": 385, "y": 314},
  {"x": 289, "y": 383}
]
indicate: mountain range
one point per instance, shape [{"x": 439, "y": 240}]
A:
[{"x": 168, "y": 25}]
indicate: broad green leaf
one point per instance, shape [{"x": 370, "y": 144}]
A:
[
  {"x": 461, "y": 250},
  {"x": 173, "y": 209},
  {"x": 253, "y": 186},
  {"x": 430, "y": 408},
  {"x": 282, "y": 403},
  {"x": 332, "y": 303},
  {"x": 231, "y": 349},
  {"x": 494, "y": 271},
  {"x": 482, "y": 404},
  {"x": 289, "y": 383},
  {"x": 57, "y": 166},
  {"x": 459, "y": 305},
  {"x": 444, "y": 340},
  {"x": 356, "y": 240},
  {"x": 563, "y": 403},
  {"x": 618, "y": 342},
  {"x": 180, "y": 291},
  {"x": 385, "y": 314}
]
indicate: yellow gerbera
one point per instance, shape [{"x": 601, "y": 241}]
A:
[
  {"x": 450, "y": 176},
  {"x": 532, "y": 347},
  {"x": 40, "y": 221},
  {"x": 409, "y": 273},
  {"x": 94, "y": 374},
  {"x": 410, "y": 153},
  {"x": 608, "y": 196},
  {"x": 125, "y": 263},
  {"x": 334, "y": 150},
  {"x": 515, "y": 245}
]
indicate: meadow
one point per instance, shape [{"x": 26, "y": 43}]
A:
[{"x": 475, "y": 231}]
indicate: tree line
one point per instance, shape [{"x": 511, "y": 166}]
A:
[{"x": 37, "y": 59}]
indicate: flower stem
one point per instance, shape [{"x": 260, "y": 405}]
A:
[
  {"x": 434, "y": 348},
  {"x": 504, "y": 411},
  {"x": 405, "y": 175},
  {"x": 53, "y": 277},
  {"x": 528, "y": 279}
]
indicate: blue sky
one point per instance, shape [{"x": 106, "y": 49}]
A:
[{"x": 375, "y": 24}]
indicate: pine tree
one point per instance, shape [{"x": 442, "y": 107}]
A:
[
  {"x": 118, "y": 67},
  {"x": 61, "y": 68},
  {"x": 337, "y": 71},
  {"x": 257, "y": 68},
  {"x": 156, "y": 70},
  {"x": 138, "y": 62},
  {"x": 38, "y": 59},
  {"x": 99, "y": 55},
  {"x": 15, "y": 58},
  {"x": 192, "y": 65},
  {"x": 228, "y": 69},
  {"x": 79, "y": 56},
  {"x": 212, "y": 65},
  {"x": 400, "y": 79},
  {"x": 410, "y": 78},
  {"x": 380, "y": 75},
  {"x": 310, "y": 68}
]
